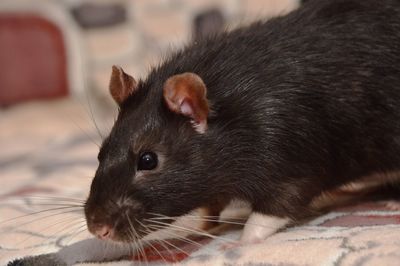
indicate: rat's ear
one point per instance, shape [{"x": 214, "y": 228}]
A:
[
  {"x": 121, "y": 84},
  {"x": 186, "y": 94}
]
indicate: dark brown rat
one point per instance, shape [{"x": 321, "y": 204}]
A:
[{"x": 273, "y": 114}]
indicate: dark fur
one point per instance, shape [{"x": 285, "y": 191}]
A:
[{"x": 300, "y": 104}]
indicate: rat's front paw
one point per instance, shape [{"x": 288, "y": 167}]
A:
[
  {"x": 258, "y": 228},
  {"x": 41, "y": 260}
]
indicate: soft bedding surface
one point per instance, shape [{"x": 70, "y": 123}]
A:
[{"x": 47, "y": 160}]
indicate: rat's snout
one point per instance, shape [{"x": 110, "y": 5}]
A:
[
  {"x": 100, "y": 224},
  {"x": 104, "y": 232},
  {"x": 113, "y": 208},
  {"x": 113, "y": 219}
]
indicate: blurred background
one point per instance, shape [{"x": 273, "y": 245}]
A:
[{"x": 55, "y": 64}]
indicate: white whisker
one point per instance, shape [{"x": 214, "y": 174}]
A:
[
  {"x": 18, "y": 226},
  {"x": 80, "y": 230},
  {"x": 40, "y": 197},
  {"x": 40, "y": 212},
  {"x": 174, "y": 246},
  {"x": 136, "y": 239},
  {"x": 182, "y": 238},
  {"x": 185, "y": 229},
  {"x": 147, "y": 231},
  {"x": 200, "y": 218},
  {"x": 164, "y": 217}
]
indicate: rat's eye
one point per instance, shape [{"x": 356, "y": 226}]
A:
[{"x": 147, "y": 161}]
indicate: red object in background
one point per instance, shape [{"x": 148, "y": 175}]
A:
[{"x": 32, "y": 59}]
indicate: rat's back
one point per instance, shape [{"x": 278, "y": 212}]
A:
[{"x": 318, "y": 87}]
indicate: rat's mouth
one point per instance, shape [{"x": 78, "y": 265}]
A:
[
  {"x": 124, "y": 229},
  {"x": 117, "y": 234},
  {"x": 129, "y": 230}
]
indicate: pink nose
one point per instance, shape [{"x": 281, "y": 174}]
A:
[{"x": 103, "y": 232}]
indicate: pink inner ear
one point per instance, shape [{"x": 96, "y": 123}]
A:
[
  {"x": 186, "y": 94},
  {"x": 186, "y": 109}
]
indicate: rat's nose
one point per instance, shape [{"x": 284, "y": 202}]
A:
[{"x": 103, "y": 232}]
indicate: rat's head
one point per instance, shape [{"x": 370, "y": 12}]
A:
[{"x": 152, "y": 162}]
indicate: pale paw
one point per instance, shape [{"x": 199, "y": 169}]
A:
[{"x": 260, "y": 226}]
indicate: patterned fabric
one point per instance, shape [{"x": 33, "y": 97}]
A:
[{"x": 45, "y": 158}]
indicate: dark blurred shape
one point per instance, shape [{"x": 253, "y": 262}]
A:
[
  {"x": 32, "y": 59},
  {"x": 208, "y": 23},
  {"x": 92, "y": 15}
]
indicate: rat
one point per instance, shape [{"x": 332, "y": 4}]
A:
[{"x": 274, "y": 114}]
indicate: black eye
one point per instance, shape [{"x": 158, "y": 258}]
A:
[{"x": 147, "y": 161}]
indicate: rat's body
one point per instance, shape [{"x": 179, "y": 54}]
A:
[{"x": 273, "y": 114}]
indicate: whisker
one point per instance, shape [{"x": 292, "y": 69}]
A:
[
  {"x": 200, "y": 218},
  {"x": 85, "y": 132},
  {"x": 43, "y": 197},
  {"x": 155, "y": 249},
  {"x": 133, "y": 247},
  {"x": 149, "y": 242},
  {"x": 136, "y": 240},
  {"x": 48, "y": 204},
  {"x": 144, "y": 252},
  {"x": 79, "y": 223},
  {"x": 234, "y": 221},
  {"x": 92, "y": 116},
  {"x": 41, "y": 218},
  {"x": 50, "y": 237},
  {"x": 194, "y": 231},
  {"x": 78, "y": 126},
  {"x": 225, "y": 221},
  {"x": 164, "y": 217},
  {"x": 139, "y": 251},
  {"x": 174, "y": 246},
  {"x": 73, "y": 220},
  {"x": 182, "y": 238},
  {"x": 138, "y": 248},
  {"x": 158, "y": 241},
  {"x": 81, "y": 229}
]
